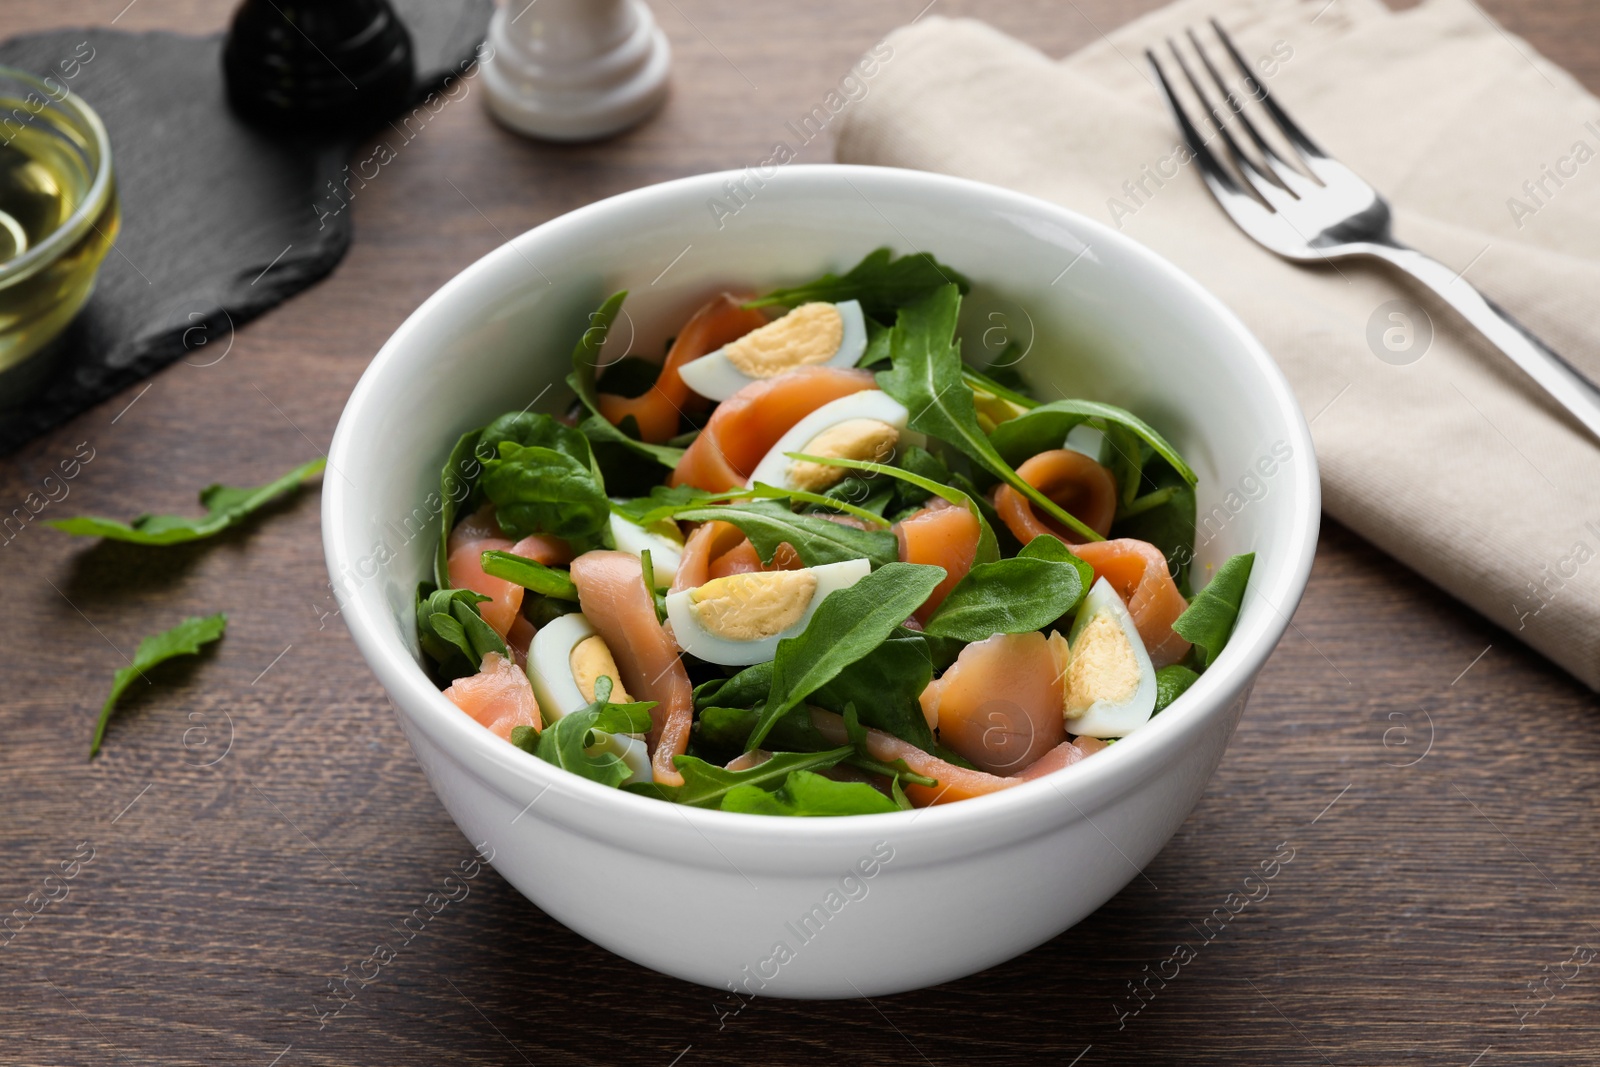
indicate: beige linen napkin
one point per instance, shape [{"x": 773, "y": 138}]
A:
[{"x": 1453, "y": 463}]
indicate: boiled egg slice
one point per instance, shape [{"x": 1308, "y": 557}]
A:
[
  {"x": 739, "y": 620},
  {"x": 868, "y": 425},
  {"x": 663, "y": 540},
  {"x": 564, "y": 661},
  {"x": 811, "y": 335},
  {"x": 1109, "y": 685}
]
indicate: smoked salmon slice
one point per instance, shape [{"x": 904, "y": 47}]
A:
[
  {"x": 747, "y": 424},
  {"x": 466, "y": 572},
  {"x": 1082, "y": 487},
  {"x": 613, "y": 598},
  {"x": 945, "y": 535},
  {"x": 955, "y": 783},
  {"x": 481, "y": 525},
  {"x": 999, "y": 704},
  {"x": 720, "y": 321},
  {"x": 705, "y": 543},
  {"x": 498, "y": 696},
  {"x": 1138, "y": 572}
]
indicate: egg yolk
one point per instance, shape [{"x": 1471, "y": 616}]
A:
[
  {"x": 868, "y": 439},
  {"x": 591, "y": 658},
  {"x": 809, "y": 334},
  {"x": 1103, "y": 666},
  {"x": 754, "y": 605}
]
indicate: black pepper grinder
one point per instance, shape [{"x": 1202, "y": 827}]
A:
[{"x": 317, "y": 66}]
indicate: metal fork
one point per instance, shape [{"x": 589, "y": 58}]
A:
[{"x": 1334, "y": 214}]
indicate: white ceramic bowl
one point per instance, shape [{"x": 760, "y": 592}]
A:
[{"x": 821, "y": 907}]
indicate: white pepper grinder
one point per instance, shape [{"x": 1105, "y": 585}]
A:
[{"x": 574, "y": 70}]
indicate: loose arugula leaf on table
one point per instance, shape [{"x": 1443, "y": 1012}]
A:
[
  {"x": 585, "y": 367},
  {"x": 1046, "y": 426},
  {"x": 184, "y": 639},
  {"x": 542, "y": 490},
  {"x": 530, "y": 574},
  {"x": 565, "y": 742},
  {"x": 926, "y": 376},
  {"x": 451, "y": 631},
  {"x": 1208, "y": 621},
  {"x": 880, "y": 282},
  {"x": 1012, "y": 596},
  {"x": 988, "y": 547},
  {"x": 1172, "y": 682},
  {"x": 225, "y": 506},
  {"x": 847, "y": 625},
  {"x": 458, "y": 482},
  {"x": 816, "y": 540},
  {"x": 885, "y": 687},
  {"x": 705, "y": 784},
  {"x": 805, "y": 793}
]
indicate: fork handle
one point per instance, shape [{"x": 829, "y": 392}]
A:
[{"x": 1564, "y": 382}]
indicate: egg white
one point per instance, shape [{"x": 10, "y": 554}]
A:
[
  {"x": 1104, "y": 718},
  {"x": 715, "y": 377},
  {"x": 663, "y": 540},
  {"x": 714, "y": 648}
]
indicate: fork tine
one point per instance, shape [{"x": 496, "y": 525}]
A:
[
  {"x": 1267, "y": 188},
  {"x": 1282, "y": 169},
  {"x": 1210, "y": 166},
  {"x": 1295, "y": 135}
]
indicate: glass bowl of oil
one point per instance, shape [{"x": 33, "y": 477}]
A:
[{"x": 58, "y": 218}]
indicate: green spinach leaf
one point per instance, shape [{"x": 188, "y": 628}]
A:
[
  {"x": 541, "y": 490},
  {"x": 1208, "y": 621},
  {"x": 1046, "y": 426},
  {"x": 926, "y": 376},
  {"x": 225, "y": 506},
  {"x": 885, "y": 687},
  {"x": 847, "y": 625},
  {"x": 530, "y": 574},
  {"x": 881, "y": 282},
  {"x": 1172, "y": 682},
  {"x": 805, "y": 793},
  {"x": 1012, "y": 596},
  {"x": 565, "y": 742},
  {"x": 452, "y": 632},
  {"x": 458, "y": 482},
  {"x": 184, "y": 639}
]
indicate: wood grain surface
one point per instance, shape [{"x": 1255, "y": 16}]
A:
[{"x": 257, "y": 821}]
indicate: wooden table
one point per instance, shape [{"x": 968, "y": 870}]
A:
[{"x": 257, "y": 821}]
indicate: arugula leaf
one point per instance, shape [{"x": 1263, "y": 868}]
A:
[
  {"x": 225, "y": 506},
  {"x": 530, "y": 574},
  {"x": 1012, "y": 596},
  {"x": 877, "y": 350},
  {"x": 816, "y": 540},
  {"x": 662, "y": 502},
  {"x": 804, "y": 793},
  {"x": 847, "y": 625},
  {"x": 585, "y": 367},
  {"x": 184, "y": 639},
  {"x": 988, "y": 547},
  {"x": 989, "y": 381},
  {"x": 1046, "y": 426},
  {"x": 1208, "y": 621},
  {"x": 763, "y": 491},
  {"x": 926, "y": 376},
  {"x": 647, "y": 573},
  {"x": 458, "y": 483},
  {"x": 541, "y": 490},
  {"x": 881, "y": 282},
  {"x": 451, "y": 631},
  {"x": 885, "y": 687},
  {"x": 567, "y": 741},
  {"x": 705, "y": 784},
  {"x": 525, "y": 738},
  {"x": 1171, "y": 683}
]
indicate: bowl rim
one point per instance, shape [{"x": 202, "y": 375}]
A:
[
  {"x": 651, "y": 825},
  {"x": 83, "y": 217}
]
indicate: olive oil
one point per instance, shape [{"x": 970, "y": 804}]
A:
[{"x": 52, "y": 238}]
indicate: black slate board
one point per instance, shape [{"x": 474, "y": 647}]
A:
[{"x": 219, "y": 221}]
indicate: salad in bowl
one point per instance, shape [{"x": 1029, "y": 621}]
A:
[{"x": 808, "y": 562}]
